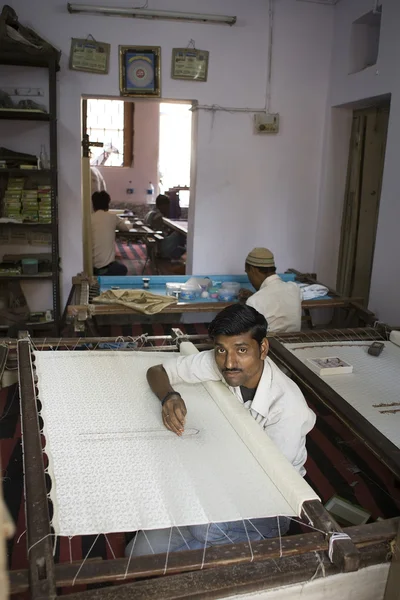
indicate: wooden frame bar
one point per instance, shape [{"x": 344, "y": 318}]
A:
[{"x": 216, "y": 575}]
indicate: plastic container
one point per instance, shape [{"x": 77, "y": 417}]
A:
[
  {"x": 173, "y": 289},
  {"x": 213, "y": 292},
  {"x": 232, "y": 286},
  {"x": 30, "y": 266},
  {"x": 190, "y": 292},
  {"x": 226, "y": 295}
]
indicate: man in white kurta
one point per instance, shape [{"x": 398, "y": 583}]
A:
[
  {"x": 239, "y": 360},
  {"x": 279, "y": 301}
]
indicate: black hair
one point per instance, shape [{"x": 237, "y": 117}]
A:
[
  {"x": 237, "y": 319},
  {"x": 265, "y": 270},
  {"x": 161, "y": 200},
  {"x": 101, "y": 200}
]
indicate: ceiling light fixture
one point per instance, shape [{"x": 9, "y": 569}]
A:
[{"x": 144, "y": 13}]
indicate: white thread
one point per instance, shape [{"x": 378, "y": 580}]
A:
[
  {"x": 248, "y": 539},
  {"x": 183, "y": 537},
  {"x": 130, "y": 555},
  {"x": 148, "y": 541},
  {"x": 169, "y": 546},
  {"x": 83, "y": 562},
  {"x": 205, "y": 546},
  {"x": 336, "y": 536},
  {"x": 19, "y": 539},
  {"x": 254, "y": 527},
  {"x": 224, "y": 533},
  {"x": 109, "y": 545},
  {"x": 280, "y": 537},
  {"x": 41, "y": 540},
  {"x": 70, "y": 548},
  {"x": 320, "y": 566}
]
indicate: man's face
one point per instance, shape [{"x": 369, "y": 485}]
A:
[
  {"x": 252, "y": 273},
  {"x": 240, "y": 359}
]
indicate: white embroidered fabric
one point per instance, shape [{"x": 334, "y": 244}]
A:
[
  {"x": 373, "y": 386},
  {"x": 113, "y": 465}
]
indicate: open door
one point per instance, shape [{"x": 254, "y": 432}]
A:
[
  {"x": 361, "y": 205},
  {"x": 86, "y": 194}
]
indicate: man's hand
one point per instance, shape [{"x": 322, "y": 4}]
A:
[
  {"x": 174, "y": 413},
  {"x": 244, "y": 294}
]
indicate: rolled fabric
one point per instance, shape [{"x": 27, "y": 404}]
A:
[{"x": 283, "y": 475}]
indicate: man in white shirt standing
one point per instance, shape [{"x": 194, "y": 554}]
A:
[
  {"x": 104, "y": 225},
  {"x": 240, "y": 360},
  {"x": 279, "y": 301}
]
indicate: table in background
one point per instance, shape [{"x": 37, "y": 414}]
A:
[
  {"x": 81, "y": 310},
  {"x": 178, "y": 225}
]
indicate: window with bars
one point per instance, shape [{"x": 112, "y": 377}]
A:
[{"x": 111, "y": 123}]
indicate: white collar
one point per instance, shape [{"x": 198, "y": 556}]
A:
[
  {"x": 269, "y": 280},
  {"x": 268, "y": 390}
]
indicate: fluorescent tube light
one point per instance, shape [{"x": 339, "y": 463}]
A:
[{"x": 144, "y": 13}]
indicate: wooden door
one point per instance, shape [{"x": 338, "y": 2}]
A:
[{"x": 361, "y": 206}]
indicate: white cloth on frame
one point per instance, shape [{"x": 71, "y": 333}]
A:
[
  {"x": 280, "y": 303},
  {"x": 113, "y": 465},
  {"x": 278, "y": 406}
]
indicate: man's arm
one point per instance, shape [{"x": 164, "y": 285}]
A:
[
  {"x": 122, "y": 225},
  {"x": 194, "y": 368},
  {"x": 174, "y": 409}
]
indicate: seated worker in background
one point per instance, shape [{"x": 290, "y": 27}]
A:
[
  {"x": 275, "y": 402},
  {"x": 279, "y": 301},
  {"x": 173, "y": 244},
  {"x": 104, "y": 225}
]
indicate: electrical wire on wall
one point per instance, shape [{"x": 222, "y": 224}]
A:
[{"x": 231, "y": 109}]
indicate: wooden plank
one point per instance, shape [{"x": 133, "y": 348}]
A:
[
  {"x": 113, "y": 570},
  {"x": 310, "y": 382},
  {"x": 40, "y": 545},
  {"x": 210, "y": 584},
  {"x": 344, "y": 553},
  {"x": 392, "y": 591}
]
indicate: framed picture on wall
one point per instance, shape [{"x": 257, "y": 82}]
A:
[
  {"x": 140, "y": 71},
  {"x": 89, "y": 56},
  {"x": 190, "y": 64}
]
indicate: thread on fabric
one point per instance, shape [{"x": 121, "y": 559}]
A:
[
  {"x": 84, "y": 560},
  {"x": 335, "y": 537}
]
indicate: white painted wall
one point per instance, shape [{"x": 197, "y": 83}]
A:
[
  {"x": 345, "y": 88},
  {"x": 145, "y": 158},
  {"x": 251, "y": 190}
]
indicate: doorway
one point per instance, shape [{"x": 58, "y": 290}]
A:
[
  {"x": 361, "y": 203},
  {"x": 135, "y": 150}
]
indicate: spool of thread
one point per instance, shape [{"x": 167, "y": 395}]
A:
[{"x": 146, "y": 283}]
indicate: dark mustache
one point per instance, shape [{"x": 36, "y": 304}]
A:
[{"x": 232, "y": 371}]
